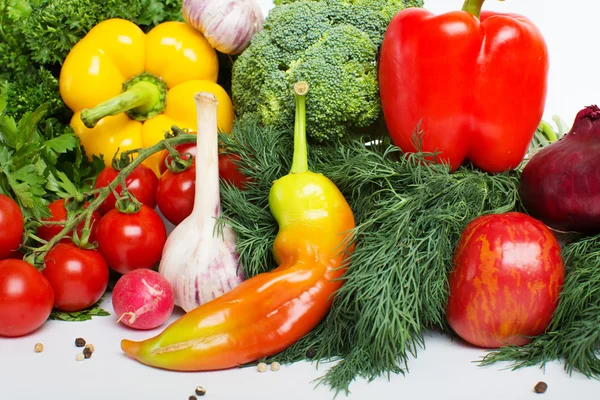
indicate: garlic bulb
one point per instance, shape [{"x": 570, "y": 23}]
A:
[
  {"x": 228, "y": 25},
  {"x": 199, "y": 258}
]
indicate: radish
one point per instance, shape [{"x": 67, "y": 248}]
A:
[{"x": 143, "y": 299}]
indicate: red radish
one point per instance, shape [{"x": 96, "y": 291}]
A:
[
  {"x": 142, "y": 299},
  {"x": 560, "y": 185}
]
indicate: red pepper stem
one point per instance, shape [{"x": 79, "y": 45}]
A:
[
  {"x": 473, "y": 7},
  {"x": 143, "y": 97},
  {"x": 300, "y": 160}
]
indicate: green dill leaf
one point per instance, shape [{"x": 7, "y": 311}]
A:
[
  {"x": 573, "y": 335},
  {"x": 409, "y": 215}
]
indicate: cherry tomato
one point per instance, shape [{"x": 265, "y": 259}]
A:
[
  {"x": 11, "y": 226},
  {"x": 26, "y": 298},
  {"x": 182, "y": 149},
  {"x": 59, "y": 213},
  {"x": 142, "y": 183},
  {"x": 506, "y": 280},
  {"x": 78, "y": 277},
  {"x": 230, "y": 172},
  {"x": 175, "y": 194},
  {"x": 131, "y": 241}
]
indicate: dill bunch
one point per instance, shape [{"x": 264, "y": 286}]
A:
[
  {"x": 573, "y": 334},
  {"x": 409, "y": 218}
]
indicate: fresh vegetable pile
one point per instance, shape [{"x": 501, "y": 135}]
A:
[{"x": 424, "y": 210}]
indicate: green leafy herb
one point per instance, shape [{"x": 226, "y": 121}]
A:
[
  {"x": 33, "y": 151},
  {"x": 83, "y": 315},
  {"x": 574, "y": 334},
  {"x": 409, "y": 218}
]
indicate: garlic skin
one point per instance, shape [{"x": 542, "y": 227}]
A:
[
  {"x": 199, "y": 259},
  {"x": 228, "y": 25}
]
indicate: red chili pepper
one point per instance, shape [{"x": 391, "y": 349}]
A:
[{"x": 476, "y": 87}]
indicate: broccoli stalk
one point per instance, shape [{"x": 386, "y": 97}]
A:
[{"x": 332, "y": 45}]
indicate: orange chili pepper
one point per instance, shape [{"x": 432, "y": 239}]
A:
[{"x": 269, "y": 312}]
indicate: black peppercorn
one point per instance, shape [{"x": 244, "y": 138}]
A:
[
  {"x": 80, "y": 342},
  {"x": 87, "y": 352},
  {"x": 540, "y": 387},
  {"x": 310, "y": 353}
]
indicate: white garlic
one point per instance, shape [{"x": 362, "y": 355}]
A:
[
  {"x": 228, "y": 25},
  {"x": 199, "y": 259}
]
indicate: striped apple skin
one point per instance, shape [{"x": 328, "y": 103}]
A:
[{"x": 506, "y": 278}]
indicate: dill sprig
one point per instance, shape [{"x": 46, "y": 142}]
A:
[
  {"x": 574, "y": 333},
  {"x": 409, "y": 218}
]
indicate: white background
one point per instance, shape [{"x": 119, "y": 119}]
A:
[{"x": 444, "y": 371}]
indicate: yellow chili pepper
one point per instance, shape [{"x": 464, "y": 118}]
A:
[
  {"x": 127, "y": 88},
  {"x": 269, "y": 312}
]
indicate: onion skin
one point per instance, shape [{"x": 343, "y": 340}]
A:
[{"x": 560, "y": 185}]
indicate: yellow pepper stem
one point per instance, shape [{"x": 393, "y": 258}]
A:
[
  {"x": 300, "y": 160},
  {"x": 143, "y": 97}
]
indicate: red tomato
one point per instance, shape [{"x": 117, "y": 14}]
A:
[
  {"x": 175, "y": 194},
  {"x": 507, "y": 276},
  {"x": 182, "y": 149},
  {"x": 11, "y": 226},
  {"x": 59, "y": 213},
  {"x": 228, "y": 171},
  {"x": 142, "y": 183},
  {"x": 131, "y": 241},
  {"x": 78, "y": 277},
  {"x": 26, "y": 298}
]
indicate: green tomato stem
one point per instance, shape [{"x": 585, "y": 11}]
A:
[
  {"x": 300, "y": 160},
  {"x": 37, "y": 256}
]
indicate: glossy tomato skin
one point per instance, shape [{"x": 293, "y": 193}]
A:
[
  {"x": 78, "y": 277},
  {"x": 182, "y": 149},
  {"x": 230, "y": 172},
  {"x": 11, "y": 226},
  {"x": 506, "y": 279},
  {"x": 59, "y": 213},
  {"x": 175, "y": 194},
  {"x": 142, "y": 183},
  {"x": 131, "y": 241},
  {"x": 26, "y": 298}
]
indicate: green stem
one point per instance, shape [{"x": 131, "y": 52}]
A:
[
  {"x": 300, "y": 160},
  {"x": 143, "y": 97},
  {"x": 473, "y": 7},
  {"x": 37, "y": 256}
]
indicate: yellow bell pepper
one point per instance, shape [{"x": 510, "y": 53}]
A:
[{"x": 127, "y": 88}]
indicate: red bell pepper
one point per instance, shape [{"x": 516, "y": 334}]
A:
[{"x": 475, "y": 85}]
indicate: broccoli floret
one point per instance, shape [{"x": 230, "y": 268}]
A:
[{"x": 332, "y": 45}]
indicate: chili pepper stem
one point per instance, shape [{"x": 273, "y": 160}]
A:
[
  {"x": 300, "y": 160},
  {"x": 143, "y": 97},
  {"x": 473, "y": 7},
  {"x": 37, "y": 256}
]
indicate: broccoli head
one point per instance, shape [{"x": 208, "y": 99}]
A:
[{"x": 332, "y": 45}]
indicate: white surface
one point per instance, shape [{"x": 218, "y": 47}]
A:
[{"x": 445, "y": 370}]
